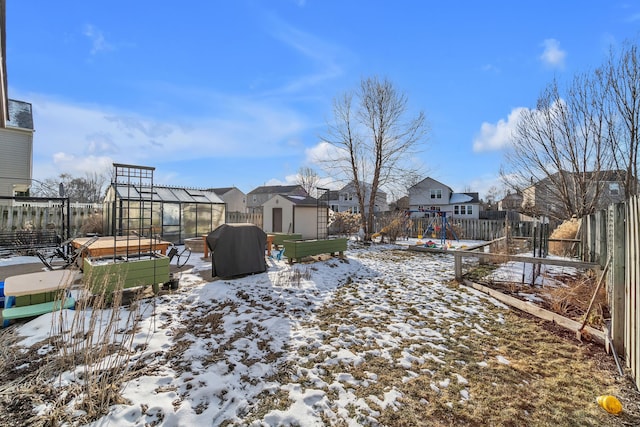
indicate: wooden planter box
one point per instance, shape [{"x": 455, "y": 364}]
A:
[
  {"x": 298, "y": 249},
  {"x": 279, "y": 238},
  {"x": 108, "y": 276}
]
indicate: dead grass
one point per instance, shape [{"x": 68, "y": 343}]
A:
[
  {"x": 92, "y": 344},
  {"x": 551, "y": 379},
  {"x": 566, "y": 230}
]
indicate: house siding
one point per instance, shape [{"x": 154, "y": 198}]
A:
[
  {"x": 236, "y": 200},
  {"x": 16, "y": 153},
  {"x": 432, "y": 195},
  {"x": 346, "y": 200}
]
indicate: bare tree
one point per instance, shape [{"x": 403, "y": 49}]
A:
[
  {"x": 621, "y": 76},
  {"x": 308, "y": 179},
  {"x": 561, "y": 147},
  {"x": 89, "y": 189},
  {"x": 373, "y": 141}
]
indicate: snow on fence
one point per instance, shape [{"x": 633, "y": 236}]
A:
[{"x": 614, "y": 234}]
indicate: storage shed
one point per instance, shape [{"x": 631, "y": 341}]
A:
[
  {"x": 237, "y": 249},
  {"x": 295, "y": 214},
  {"x": 173, "y": 213}
]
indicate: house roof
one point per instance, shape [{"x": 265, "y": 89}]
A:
[
  {"x": 460, "y": 198},
  {"x": 275, "y": 189},
  {"x": 223, "y": 190},
  {"x": 20, "y": 115},
  {"x": 434, "y": 180}
]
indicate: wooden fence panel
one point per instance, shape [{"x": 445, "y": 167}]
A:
[
  {"x": 244, "y": 218},
  {"x": 43, "y": 216},
  {"x": 616, "y": 276},
  {"x": 632, "y": 292}
]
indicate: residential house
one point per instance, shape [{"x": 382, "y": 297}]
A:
[
  {"x": 346, "y": 199},
  {"x": 234, "y": 198},
  {"x": 293, "y": 214},
  {"x": 511, "y": 202},
  {"x": 16, "y": 133},
  {"x": 258, "y": 196},
  {"x": 402, "y": 204},
  {"x": 542, "y": 197},
  {"x": 428, "y": 197}
]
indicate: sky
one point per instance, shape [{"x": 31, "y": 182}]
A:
[{"x": 240, "y": 93}]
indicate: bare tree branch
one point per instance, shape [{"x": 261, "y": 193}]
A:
[{"x": 374, "y": 144}]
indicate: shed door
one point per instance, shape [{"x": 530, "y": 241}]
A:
[{"x": 276, "y": 218}]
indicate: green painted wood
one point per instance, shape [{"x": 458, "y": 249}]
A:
[
  {"x": 296, "y": 249},
  {"x": 36, "y": 309},
  {"x": 112, "y": 276},
  {"x": 38, "y": 298},
  {"x": 279, "y": 238}
]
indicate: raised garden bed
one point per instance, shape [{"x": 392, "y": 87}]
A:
[
  {"x": 279, "y": 238},
  {"x": 298, "y": 249},
  {"x": 108, "y": 275}
]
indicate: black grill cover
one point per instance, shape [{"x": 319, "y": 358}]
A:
[{"x": 237, "y": 249}]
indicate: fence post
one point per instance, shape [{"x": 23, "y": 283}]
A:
[
  {"x": 616, "y": 274},
  {"x": 458, "y": 266}
]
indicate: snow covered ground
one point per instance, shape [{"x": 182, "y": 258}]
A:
[{"x": 283, "y": 347}]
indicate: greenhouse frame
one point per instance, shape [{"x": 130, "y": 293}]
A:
[{"x": 172, "y": 213}]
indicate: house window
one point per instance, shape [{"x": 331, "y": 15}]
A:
[
  {"x": 462, "y": 210},
  {"x": 614, "y": 189},
  {"x": 436, "y": 194},
  {"x": 255, "y": 199}
]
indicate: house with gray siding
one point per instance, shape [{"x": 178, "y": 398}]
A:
[
  {"x": 235, "y": 199},
  {"x": 346, "y": 199},
  {"x": 258, "y": 196},
  {"x": 428, "y": 197}
]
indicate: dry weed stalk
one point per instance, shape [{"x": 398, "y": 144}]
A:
[
  {"x": 96, "y": 345},
  {"x": 292, "y": 277}
]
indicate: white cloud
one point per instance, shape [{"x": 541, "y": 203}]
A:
[
  {"x": 70, "y": 135},
  {"x": 552, "y": 55},
  {"x": 497, "y": 136},
  {"x": 98, "y": 42},
  {"x": 322, "y": 152}
]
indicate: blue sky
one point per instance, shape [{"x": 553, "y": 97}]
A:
[{"x": 239, "y": 93}]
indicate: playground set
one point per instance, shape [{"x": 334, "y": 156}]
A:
[{"x": 436, "y": 228}]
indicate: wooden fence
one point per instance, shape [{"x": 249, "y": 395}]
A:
[
  {"x": 240, "y": 218},
  {"x": 614, "y": 235},
  {"x": 476, "y": 229},
  {"x": 66, "y": 220}
]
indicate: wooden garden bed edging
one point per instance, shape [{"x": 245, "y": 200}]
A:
[
  {"x": 499, "y": 258},
  {"x": 298, "y": 249},
  {"x": 572, "y": 325},
  {"x": 279, "y": 238}
]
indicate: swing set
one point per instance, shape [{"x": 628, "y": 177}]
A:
[{"x": 438, "y": 225}]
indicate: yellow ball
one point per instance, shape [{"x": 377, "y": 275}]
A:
[{"x": 610, "y": 404}]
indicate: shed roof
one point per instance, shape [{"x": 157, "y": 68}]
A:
[
  {"x": 167, "y": 194},
  {"x": 301, "y": 200}
]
